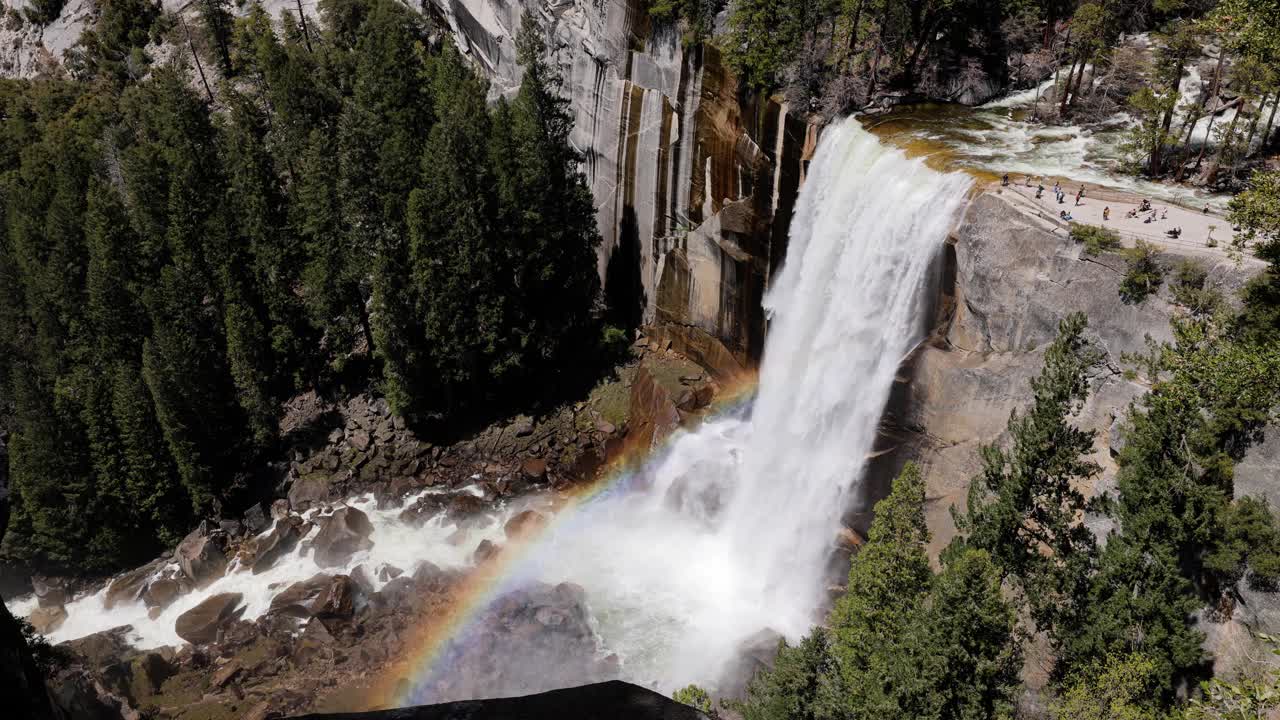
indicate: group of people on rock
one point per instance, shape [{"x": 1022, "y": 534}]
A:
[{"x": 1144, "y": 208}]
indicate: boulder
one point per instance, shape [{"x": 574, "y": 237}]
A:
[
  {"x": 129, "y": 586},
  {"x": 314, "y": 641},
  {"x": 462, "y": 508},
  {"x": 342, "y": 534},
  {"x": 323, "y": 596},
  {"x": 400, "y": 593},
  {"x": 523, "y": 523},
  {"x": 387, "y": 573},
  {"x": 485, "y": 550},
  {"x": 263, "y": 551},
  {"x": 653, "y": 413},
  {"x": 161, "y": 592},
  {"x": 201, "y": 555},
  {"x": 102, "y": 648},
  {"x": 226, "y": 673},
  {"x": 545, "y": 626},
  {"x": 393, "y": 492},
  {"x": 360, "y": 440},
  {"x": 150, "y": 670},
  {"x": 202, "y": 624},
  {"x": 612, "y": 699},
  {"x": 466, "y": 510},
  {"x": 51, "y": 591},
  {"x": 429, "y": 577},
  {"x": 534, "y": 468},
  {"x": 360, "y": 577},
  {"x": 308, "y": 491},
  {"x": 280, "y": 509},
  {"x": 47, "y": 618},
  {"x": 255, "y": 519},
  {"x": 423, "y": 509}
]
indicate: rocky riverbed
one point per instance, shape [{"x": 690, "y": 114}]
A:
[{"x": 303, "y": 602}]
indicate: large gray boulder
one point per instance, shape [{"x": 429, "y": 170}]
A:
[
  {"x": 202, "y": 624},
  {"x": 328, "y": 597},
  {"x": 341, "y": 535},
  {"x": 202, "y": 555}
]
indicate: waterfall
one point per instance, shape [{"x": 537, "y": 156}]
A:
[
  {"x": 735, "y": 531},
  {"x": 728, "y": 530}
]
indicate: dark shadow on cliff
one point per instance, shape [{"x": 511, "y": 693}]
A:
[
  {"x": 623, "y": 287},
  {"x": 613, "y": 700}
]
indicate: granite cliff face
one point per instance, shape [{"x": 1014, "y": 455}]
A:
[
  {"x": 1009, "y": 279},
  {"x": 693, "y": 182}
]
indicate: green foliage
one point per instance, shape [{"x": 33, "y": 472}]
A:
[
  {"x": 172, "y": 270},
  {"x": 1143, "y": 273},
  {"x": 1096, "y": 239},
  {"x": 217, "y": 22},
  {"x": 43, "y": 12},
  {"x": 1257, "y": 212},
  {"x": 902, "y": 641},
  {"x": 1251, "y": 540},
  {"x": 1146, "y": 141},
  {"x": 766, "y": 36},
  {"x": 49, "y": 659},
  {"x": 1023, "y": 508},
  {"x": 1247, "y": 698},
  {"x": 791, "y": 689},
  {"x": 698, "y": 16},
  {"x": 694, "y": 696},
  {"x": 1190, "y": 291},
  {"x": 113, "y": 47},
  {"x": 1118, "y": 688}
]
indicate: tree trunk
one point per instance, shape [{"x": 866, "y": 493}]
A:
[
  {"x": 1066, "y": 90},
  {"x": 366, "y": 326},
  {"x": 306, "y": 34},
  {"x": 921, "y": 41},
  {"x": 1253, "y": 126},
  {"x": 196, "y": 56},
  {"x": 1266, "y": 134},
  {"x": 1228, "y": 140},
  {"x": 853, "y": 30},
  {"x": 1167, "y": 121},
  {"x": 1080, "y": 81},
  {"x": 1213, "y": 93}
]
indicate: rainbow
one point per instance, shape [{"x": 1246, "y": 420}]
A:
[{"x": 409, "y": 680}]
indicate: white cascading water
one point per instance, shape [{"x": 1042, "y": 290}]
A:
[
  {"x": 733, "y": 533},
  {"x": 728, "y": 532}
]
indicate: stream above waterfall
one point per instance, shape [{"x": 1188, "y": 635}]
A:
[{"x": 1005, "y": 137}]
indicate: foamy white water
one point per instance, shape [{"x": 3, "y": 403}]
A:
[
  {"x": 727, "y": 533},
  {"x": 395, "y": 543},
  {"x": 739, "y": 518}
]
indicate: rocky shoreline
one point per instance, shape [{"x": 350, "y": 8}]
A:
[{"x": 327, "y": 638}]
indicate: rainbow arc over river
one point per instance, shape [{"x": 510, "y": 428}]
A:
[
  {"x": 690, "y": 547},
  {"x": 409, "y": 682}
]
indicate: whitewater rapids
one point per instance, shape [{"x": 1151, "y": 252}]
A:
[{"x": 729, "y": 529}]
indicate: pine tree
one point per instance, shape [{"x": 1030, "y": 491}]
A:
[
  {"x": 218, "y": 23},
  {"x": 546, "y": 209},
  {"x": 1025, "y": 507},
  {"x": 872, "y": 625},
  {"x": 790, "y": 690},
  {"x": 970, "y": 645},
  {"x": 455, "y": 253}
]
